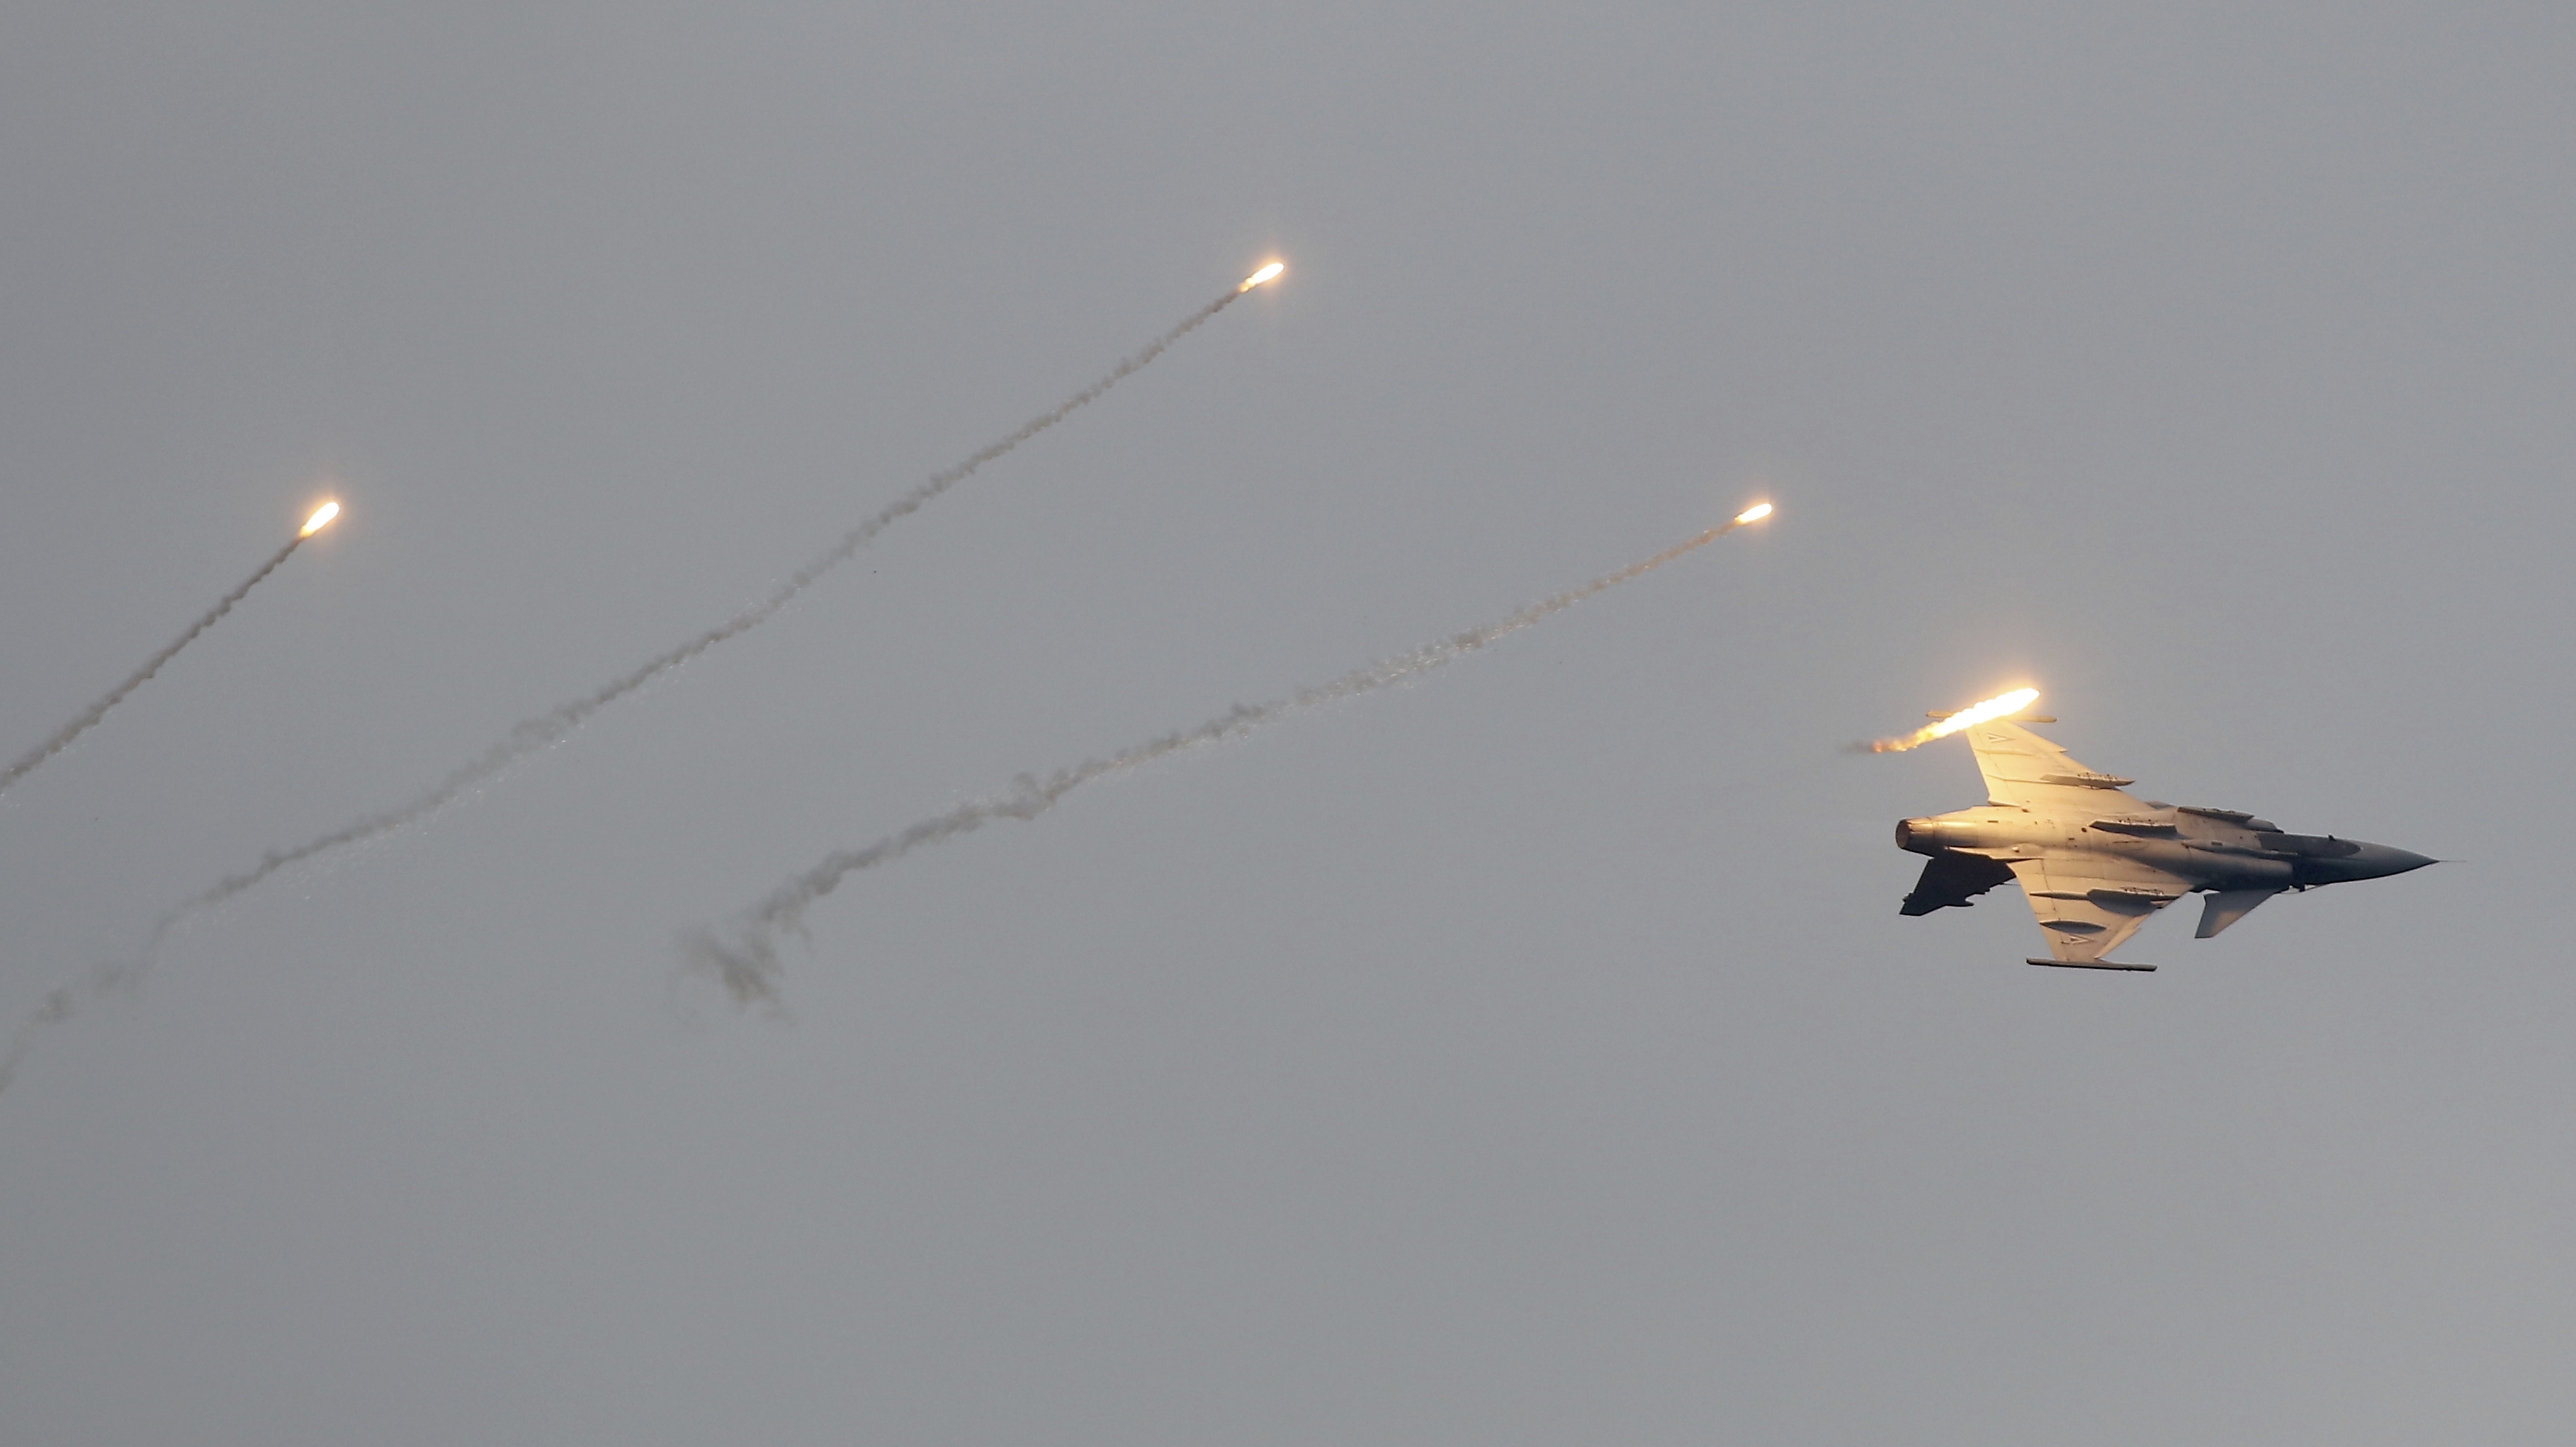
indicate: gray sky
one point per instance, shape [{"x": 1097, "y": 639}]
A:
[{"x": 1531, "y": 1054}]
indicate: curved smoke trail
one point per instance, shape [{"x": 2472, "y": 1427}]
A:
[
  {"x": 745, "y": 955},
  {"x": 532, "y": 734},
  {"x": 62, "y": 739}
]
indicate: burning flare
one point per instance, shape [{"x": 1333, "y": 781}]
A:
[
  {"x": 2010, "y": 703},
  {"x": 1267, "y": 273},
  {"x": 28, "y": 762},
  {"x": 1753, "y": 514}
]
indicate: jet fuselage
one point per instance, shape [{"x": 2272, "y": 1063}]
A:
[
  {"x": 2095, "y": 861},
  {"x": 2213, "y": 849}
]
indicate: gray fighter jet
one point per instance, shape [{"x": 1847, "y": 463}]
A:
[{"x": 2095, "y": 862}]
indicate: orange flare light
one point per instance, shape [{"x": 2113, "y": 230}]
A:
[
  {"x": 321, "y": 519},
  {"x": 2010, "y": 703},
  {"x": 1753, "y": 514},
  {"x": 1267, "y": 273}
]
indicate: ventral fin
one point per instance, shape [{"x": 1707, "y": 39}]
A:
[{"x": 2226, "y": 907}]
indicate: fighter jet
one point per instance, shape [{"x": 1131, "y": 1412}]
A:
[{"x": 2095, "y": 862}]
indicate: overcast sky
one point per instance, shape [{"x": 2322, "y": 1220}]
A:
[{"x": 1529, "y": 1055}]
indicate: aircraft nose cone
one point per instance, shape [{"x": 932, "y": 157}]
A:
[{"x": 2377, "y": 861}]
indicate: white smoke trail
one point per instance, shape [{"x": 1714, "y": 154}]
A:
[
  {"x": 532, "y": 734},
  {"x": 745, "y": 955},
  {"x": 60, "y": 1003},
  {"x": 62, "y": 738}
]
